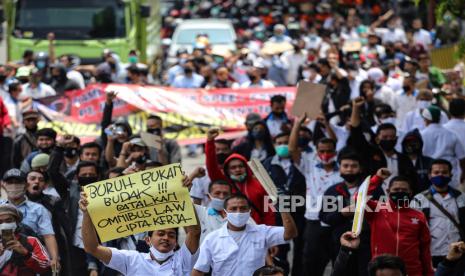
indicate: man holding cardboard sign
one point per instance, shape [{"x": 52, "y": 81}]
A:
[{"x": 153, "y": 201}]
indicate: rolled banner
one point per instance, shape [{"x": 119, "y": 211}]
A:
[{"x": 362, "y": 198}]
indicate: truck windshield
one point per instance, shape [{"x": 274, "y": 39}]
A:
[{"x": 70, "y": 19}]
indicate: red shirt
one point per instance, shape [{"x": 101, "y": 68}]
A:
[
  {"x": 400, "y": 232},
  {"x": 251, "y": 187}
]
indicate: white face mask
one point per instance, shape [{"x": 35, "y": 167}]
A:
[
  {"x": 216, "y": 203},
  {"x": 423, "y": 104},
  {"x": 389, "y": 120},
  {"x": 238, "y": 219},
  {"x": 159, "y": 256},
  {"x": 8, "y": 226},
  {"x": 15, "y": 191},
  {"x": 306, "y": 74}
]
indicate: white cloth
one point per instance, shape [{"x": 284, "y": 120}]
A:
[
  {"x": 386, "y": 95},
  {"x": 274, "y": 125},
  {"x": 42, "y": 90},
  {"x": 438, "y": 142},
  {"x": 133, "y": 263},
  {"x": 422, "y": 37},
  {"x": 77, "y": 77},
  {"x": 261, "y": 84},
  {"x": 77, "y": 239},
  {"x": 200, "y": 189},
  {"x": 394, "y": 35},
  {"x": 220, "y": 252},
  {"x": 292, "y": 63},
  {"x": 443, "y": 232},
  {"x": 457, "y": 126},
  {"x": 317, "y": 180},
  {"x": 355, "y": 83},
  {"x": 404, "y": 103},
  {"x": 413, "y": 120},
  {"x": 393, "y": 167}
]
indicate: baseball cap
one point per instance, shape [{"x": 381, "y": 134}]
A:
[
  {"x": 40, "y": 160},
  {"x": 432, "y": 113},
  {"x": 14, "y": 174},
  {"x": 10, "y": 209},
  {"x": 138, "y": 142},
  {"x": 252, "y": 118},
  {"x": 30, "y": 114}
]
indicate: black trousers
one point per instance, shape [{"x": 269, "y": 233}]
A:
[
  {"x": 317, "y": 248},
  {"x": 78, "y": 261}
]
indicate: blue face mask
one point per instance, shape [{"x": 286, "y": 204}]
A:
[
  {"x": 440, "y": 181},
  {"x": 282, "y": 151},
  {"x": 239, "y": 178}
]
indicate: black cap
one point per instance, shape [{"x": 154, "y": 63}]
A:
[{"x": 14, "y": 174}]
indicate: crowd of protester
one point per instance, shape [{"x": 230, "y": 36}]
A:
[{"x": 388, "y": 114}]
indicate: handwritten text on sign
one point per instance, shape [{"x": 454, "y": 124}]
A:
[{"x": 144, "y": 201}]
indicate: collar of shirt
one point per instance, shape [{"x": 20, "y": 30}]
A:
[
  {"x": 433, "y": 190},
  {"x": 223, "y": 232},
  {"x": 212, "y": 212},
  {"x": 320, "y": 165},
  {"x": 414, "y": 94}
]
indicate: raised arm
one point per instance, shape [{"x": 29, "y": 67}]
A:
[
  {"x": 193, "y": 235},
  {"x": 89, "y": 235},
  {"x": 293, "y": 140},
  {"x": 107, "y": 114},
  {"x": 290, "y": 229},
  {"x": 213, "y": 169}
]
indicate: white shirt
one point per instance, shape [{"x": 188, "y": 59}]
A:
[
  {"x": 77, "y": 77},
  {"x": 443, "y": 232},
  {"x": 77, "y": 239},
  {"x": 200, "y": 189},
  {"x": 41, "y": 91},
  {"x": 393, "y": 167},
  {"x": 385, "y": 94},
  {"x": 133, "y": 263},
  {"x": 292, "y": 62},
  {"x": 261, "y": 84},
  {"x": 318, "y": 180},
  {"x": 438, "y": 142},
  {"x": 274, "y": 125},
  {"x": 395, "y": 35},
  {"x": 226, "y": 257},
  {"x": 413, "y": 120},
  {"x": 422, "y": 37},
  {"x": 404, "y": 103},
  {"x": 457, "y": 126}
]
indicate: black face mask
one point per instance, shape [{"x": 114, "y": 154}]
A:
[
  {"x": 401, "y": 199},
  {"x": 221, "y": 158},
  {"x": 387, "y": 145},
  {"x": 303, "y": 142},
  {"x": 412, "y": 148},
  {"x": 2, "y": 78},
  {"x": 155, "y": 131},
  {"x": 258, "y": 135},
  {"x": 188, "y": 71},
  {"x": 71, "y": 152},
  {"x": 252, "y": 77},
  {"x": 141, "y": 159},
  {"x": 33, "y": 129},
  {"x": 406, "y": 88},
  {"x": 85, "y": 180},
  {"x": 350, "y": 178}
]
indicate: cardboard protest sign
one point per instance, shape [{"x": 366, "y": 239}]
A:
[
  {"x": 144, "y": 201},
  {"x": 308, "y": 99},
  {"x": 151, "y": 140},
  {"x": 262, "y": 175},
  {"x": 362, "y": 198}
]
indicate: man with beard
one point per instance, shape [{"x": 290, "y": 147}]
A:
[
  {"x": 25, "y": 143},
  {"x": 34, "y": 215},
  {"x": 200, "y": 186},
  {"x": 45, "y": 143},
  {"x": 341, "y": 220}
]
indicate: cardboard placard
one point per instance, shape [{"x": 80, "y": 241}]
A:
[
  {"x": 362, "y": 198},
  {"x": 262, "y": 175},
  {"x": 151, "y": 140},
  {"x": 139, "y": 202},
  {"x": 308, "y": 99}
]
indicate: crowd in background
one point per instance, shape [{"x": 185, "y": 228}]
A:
[{"x": 387, "y": 113}]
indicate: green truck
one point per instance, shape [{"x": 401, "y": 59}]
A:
[{"x": 83, "y": 28}]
